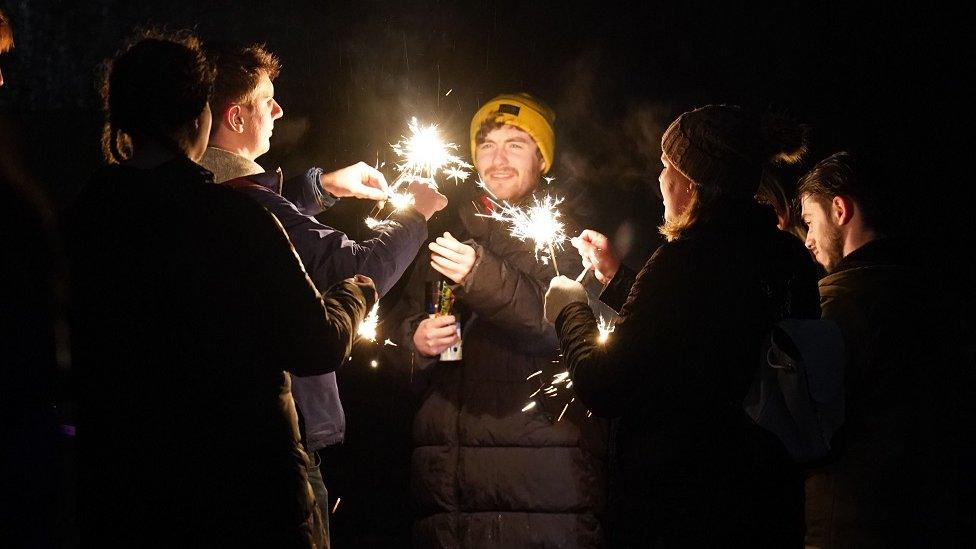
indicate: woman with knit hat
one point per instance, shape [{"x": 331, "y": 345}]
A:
[{"x": 689, "y": 467}]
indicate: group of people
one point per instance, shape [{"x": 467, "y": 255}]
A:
[{"x": 211, "y": 307}]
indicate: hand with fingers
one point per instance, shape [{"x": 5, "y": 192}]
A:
[
  {"x": 452, "y": 258},
  {"x": 359, "y": 181},
  {"x": 434, "y": 335},
  {"x": 426, "y": 199},
  {"x": 598, "y": 254},
  {"x": 368, "y": 288},
  {"x": 562, "y": 291}
]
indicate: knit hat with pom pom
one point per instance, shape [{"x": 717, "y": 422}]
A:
[{"x": 725, "y": 146}]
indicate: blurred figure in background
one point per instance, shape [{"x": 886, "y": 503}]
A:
[
  {"x": 901, "y": 467},
  {"x": 189, "y": 306}
]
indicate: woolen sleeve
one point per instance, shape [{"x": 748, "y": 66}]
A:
[
  {"x": 639, "y": 366},
  {"x": 615, "y": 293},
  {"x": 311, "y": 334}
]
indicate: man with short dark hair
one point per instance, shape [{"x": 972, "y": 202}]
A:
[
  {"x": 245, "y": 110},
  {"x": 485, "y": 472},
  {"x": 891, "y": 480}
]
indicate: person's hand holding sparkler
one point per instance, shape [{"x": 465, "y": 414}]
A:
[
  {"x": 452, "y": 258},
  {"x": 358, "y": 181},
  {"x": 598, "y": 254},
  {"x": 562, "y": 291},
  {"x": 434, "y": 335}
]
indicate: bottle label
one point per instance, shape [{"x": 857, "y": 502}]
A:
[{"x": 454, "y": 351}]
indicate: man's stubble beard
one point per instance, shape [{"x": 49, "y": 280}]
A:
[{"x": 833, "y": 248}]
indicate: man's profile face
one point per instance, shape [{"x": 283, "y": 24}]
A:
[
  {"x": 824, "y": 236},
  {"x": 509, "y": 163},
  {"x": 260, "y": 114}
]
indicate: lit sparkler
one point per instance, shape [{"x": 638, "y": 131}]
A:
[
  {"x": 538, "y": 221},
  {"x": 422, "y": 156},
  {"x": 367, "y": 328},
  {"x": 424, "y": 153},
  {"x": 606, "y": 327}
]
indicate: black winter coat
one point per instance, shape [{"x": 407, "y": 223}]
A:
[
  {"x": 901, "y": 469},
  {"x": 189, "y": 306},
  {"x": 689, "y": 468},
  {"x": 485, "y": 473}
]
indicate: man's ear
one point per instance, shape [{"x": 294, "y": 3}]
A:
[
  {"x": 233, "y": 117},
  {"x": 842, "y": 210}
]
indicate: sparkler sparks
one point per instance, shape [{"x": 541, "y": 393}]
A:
[
  {"x": 400, "y": 199},
  {"x": 422, "y": 156},
  {"x": 424, "y": 153},
  {"x": 538, "y": 221},
  {"x": 606, "y": 328},
  {"x": 367, "y": 328}
]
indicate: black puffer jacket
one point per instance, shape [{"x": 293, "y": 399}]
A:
[
  {"x": 690, "y": 469},
  {"x": 189, "y": 307},
  {"x": 484, "y": 473}
]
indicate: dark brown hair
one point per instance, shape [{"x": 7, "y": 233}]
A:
[
  {"x": 844, "y": 174},
  {"x": 238, "y": 74},
  {"x": 155, "y": 87},
  {"x": 490, "y": 125}
]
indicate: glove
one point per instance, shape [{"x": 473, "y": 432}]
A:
[{"x": 562, "y": 292}]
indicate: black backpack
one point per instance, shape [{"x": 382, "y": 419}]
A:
[{"x": 798, "y": 393}]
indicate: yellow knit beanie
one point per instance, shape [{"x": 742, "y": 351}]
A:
[{"x": 525, "y": 113}]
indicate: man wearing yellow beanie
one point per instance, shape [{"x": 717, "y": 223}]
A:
[
  {"x": 485, "y": 473},
  {"x": 512, "y": 143}
]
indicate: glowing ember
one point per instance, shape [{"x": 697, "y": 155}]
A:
[
  {"x": 606, "y": 328},
  {"x": 389, "y": 342},
  {"x": 457, "y": 174},
  {"x": 373, "y": 364},
  {"x": 401, "y": 200},
  {"x": 529, "y": 406},
  {"x": 367, "y": 328},
  {"x": 563, "y": 412}
]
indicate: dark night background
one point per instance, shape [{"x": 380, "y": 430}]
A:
[{"x": 881, "y": 79}]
